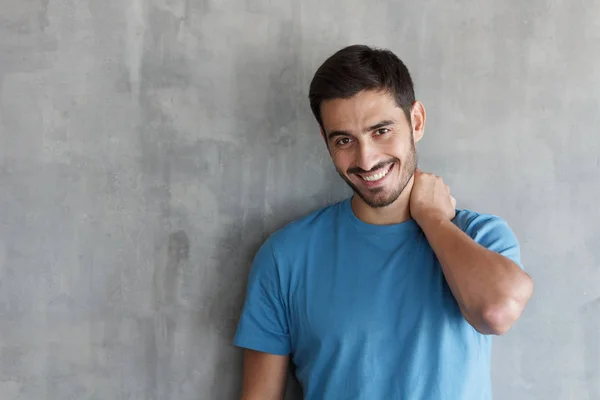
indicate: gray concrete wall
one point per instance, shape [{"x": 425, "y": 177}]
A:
[{"x": 147, "y": 147}]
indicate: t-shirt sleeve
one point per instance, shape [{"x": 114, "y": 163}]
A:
[
  {"x": 492, "y": 232},
  {"x": 263, "y": 325}
]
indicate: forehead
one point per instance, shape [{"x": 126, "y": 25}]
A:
[{"x": 363, "y": 109}]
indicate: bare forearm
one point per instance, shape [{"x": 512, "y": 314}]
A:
[{"x": 490, "y": 289}]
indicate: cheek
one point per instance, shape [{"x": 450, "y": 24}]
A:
[
  {"x": 342, "y": 160},
  {"x": 400, "y": 149}
]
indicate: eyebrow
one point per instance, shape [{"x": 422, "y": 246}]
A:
[{"x": 378, "y": 125}]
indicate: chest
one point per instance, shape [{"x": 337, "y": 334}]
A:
[{"x": 369, "y": 291}]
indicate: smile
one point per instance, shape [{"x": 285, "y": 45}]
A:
[{"x": 379, "y": 175}]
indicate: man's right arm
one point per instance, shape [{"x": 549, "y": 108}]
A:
[
  {"x": 263, "y": 330},
  {"x": 265, "y": 376}
]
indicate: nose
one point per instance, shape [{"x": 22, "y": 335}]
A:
[{"x": 366, "y": 157}]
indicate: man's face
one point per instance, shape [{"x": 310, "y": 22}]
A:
[{"x": 371, "y": 144}]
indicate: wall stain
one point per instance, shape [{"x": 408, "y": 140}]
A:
[
  {"x": 43, "y": 15},
  {"x": 166, "y": 278},
  {"x": 160, "y": 346}
]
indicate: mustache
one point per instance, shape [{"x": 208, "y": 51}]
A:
[{"x": 357, "y": 170}]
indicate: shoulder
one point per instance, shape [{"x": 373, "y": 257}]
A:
[
  {"x": 476, "y": 224},
  {"x": 301, "y": 230},
  {"x": 490, "y": 231},
  {"x": 291, "y": 241}
]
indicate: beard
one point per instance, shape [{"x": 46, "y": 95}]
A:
[{"x": 372, "y": 197}]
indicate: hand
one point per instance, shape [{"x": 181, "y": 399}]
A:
[{"x": 430, "y": 198}]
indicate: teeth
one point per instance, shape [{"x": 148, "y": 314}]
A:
[{"x": 378, "y": 176}]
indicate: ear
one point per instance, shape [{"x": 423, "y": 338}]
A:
[{"x": 417, "y": 119}]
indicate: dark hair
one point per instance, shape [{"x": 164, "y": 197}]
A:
[{"x": 360, "y": 67}]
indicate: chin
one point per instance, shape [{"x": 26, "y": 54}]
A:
[{"x": 379, "y": 200}]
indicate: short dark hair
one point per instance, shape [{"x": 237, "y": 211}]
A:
[{"x": 359, "y": 67}]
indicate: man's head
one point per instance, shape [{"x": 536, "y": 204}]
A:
[{"x": 364, "y": 102}]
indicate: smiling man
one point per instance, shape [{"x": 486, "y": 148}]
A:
[{"x": 392, "y": 293}]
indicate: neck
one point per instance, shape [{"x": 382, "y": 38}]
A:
[{"x": 395, "y": 213}]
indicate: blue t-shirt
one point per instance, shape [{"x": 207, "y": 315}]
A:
[{"x": 364, "y": 310}]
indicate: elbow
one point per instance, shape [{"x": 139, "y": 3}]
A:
[
  {"x": 500, "y": 316},
  {"x": 497, "y": 320}
]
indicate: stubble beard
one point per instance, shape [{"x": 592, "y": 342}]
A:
[{"x": 372, "y": 199}]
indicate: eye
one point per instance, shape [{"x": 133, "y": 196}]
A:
[
  {"x": 342, "y": 141},
  {"x": 382, "y": 131}
]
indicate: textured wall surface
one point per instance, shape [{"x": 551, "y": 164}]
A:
[{"x": 148, "y": 147}]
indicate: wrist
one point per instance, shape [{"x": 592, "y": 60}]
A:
[{"x": 431, "y": 218}]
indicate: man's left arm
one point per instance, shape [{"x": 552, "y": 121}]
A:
[{"x": 490, "y": 288}]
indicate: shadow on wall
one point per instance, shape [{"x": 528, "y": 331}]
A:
[
  {"x": 269, "y": 100},
  {"x": 237, "y": 256}
]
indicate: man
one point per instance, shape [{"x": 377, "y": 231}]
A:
[{"x": 392, "y": 293}]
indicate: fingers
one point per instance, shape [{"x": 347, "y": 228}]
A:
[{"x": 433, "y": 177}]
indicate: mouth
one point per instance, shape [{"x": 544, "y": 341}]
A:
[{"x": 378, "y": 177}]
